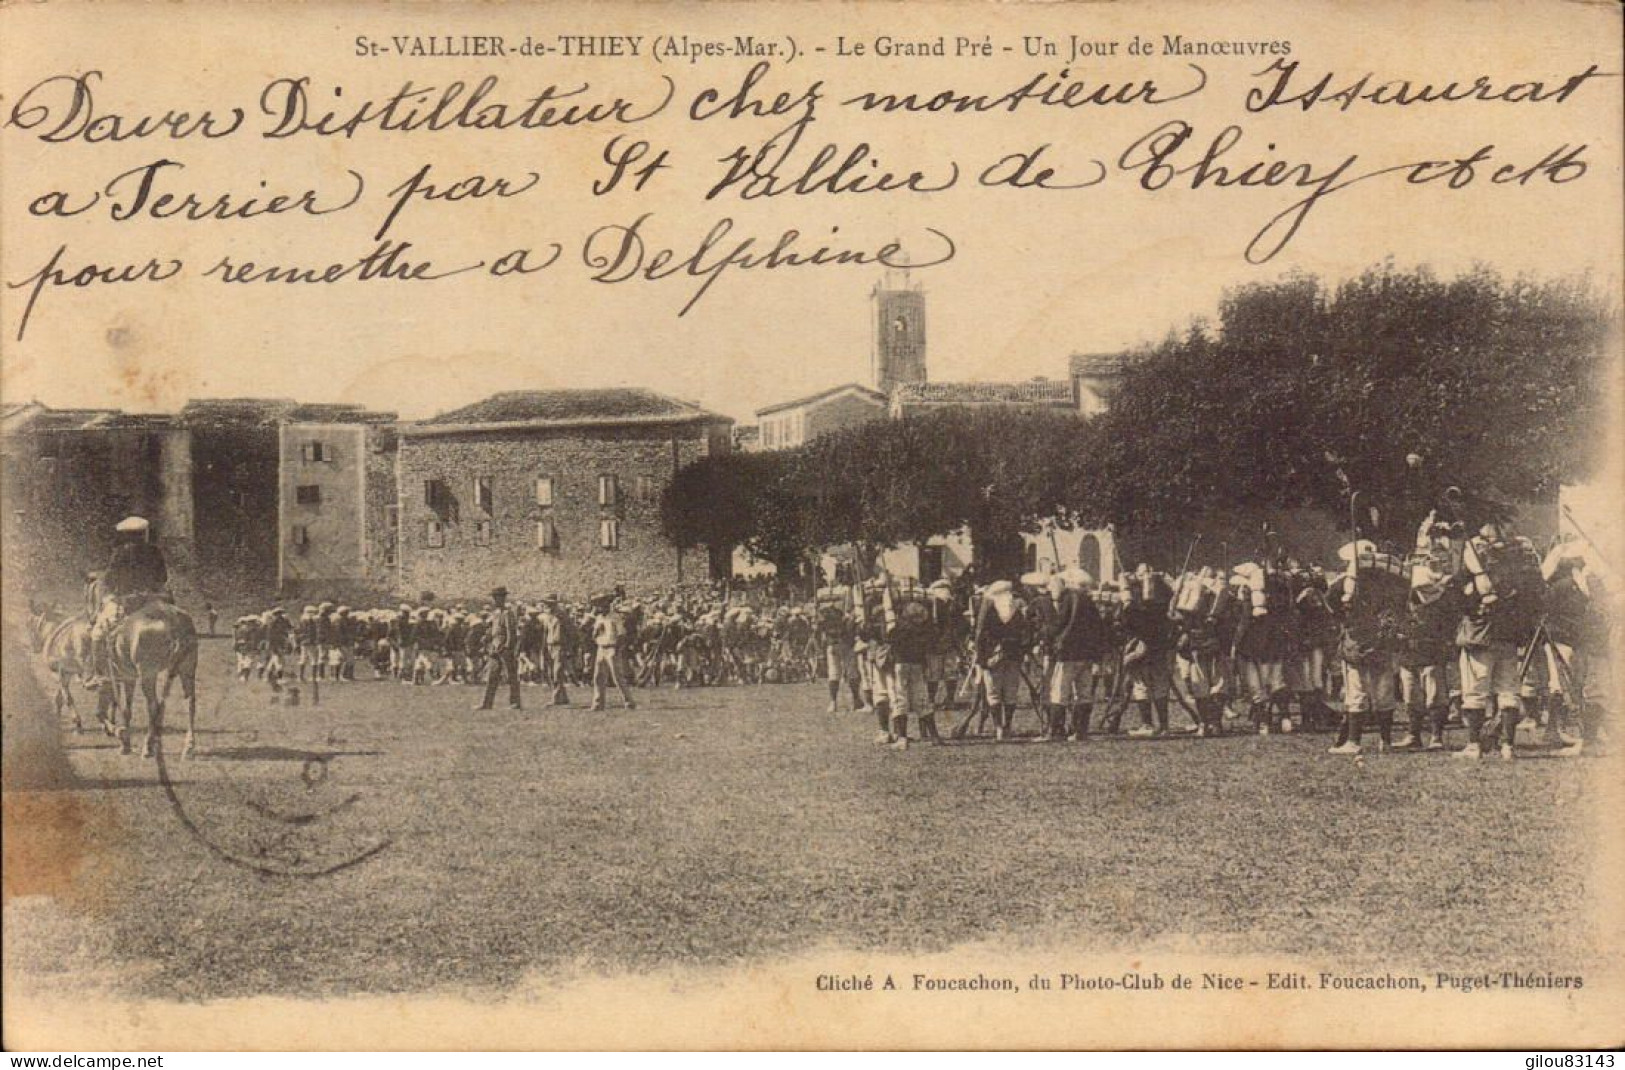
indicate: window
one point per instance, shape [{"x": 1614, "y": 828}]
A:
[
  {"x": 390, "y": 553},
  {"x": 434, "y": 534},
  {"x": 438, "y": 498},
  {"x": 609, "y": 491},
  {"x": 315, "y": 452},
  {"x": 547, "y": 534},
  {"x": 301, "y": 536},
  {"x": 392, "y": 517},
  {"x": 482, "y": 533},
  {"x": 609, "y": 533},
  {"x": 544, "y": 490},
  {"x": 309, "y": 494},
  {"x": 483, "y": 500},
  {"x": 646, "y": 489}
]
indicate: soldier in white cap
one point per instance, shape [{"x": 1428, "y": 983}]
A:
[
  {"x": 1506, "y": 591},
  {"x": 1077, "y": 644},
  {"x": 1002, "y": 641},
  {"x": 136, "y": 572}
]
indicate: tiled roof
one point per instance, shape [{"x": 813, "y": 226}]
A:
[
  {"x": 812, "y": 399},
  {"x": 237, "y": 410},
  {"x": 1099, "y": 365},
  {"x": 68, "y": 419},
  {"x": 339, "y": 414},
  {"x": 207, "y": 411},
  {"x": 542, "y": 408},
  {"x": 130, "y": 421},
  {"x": 1033, "y": 392}
]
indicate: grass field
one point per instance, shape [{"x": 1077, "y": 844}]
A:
[{"x": 725, "y": 825}]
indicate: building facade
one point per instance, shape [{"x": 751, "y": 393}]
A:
[
  {"x": 336, "y": 511},
  {"x": 793, "y": 423},
  {"x": 70, "y": 475},
  {"x": 549, "y": 492}
]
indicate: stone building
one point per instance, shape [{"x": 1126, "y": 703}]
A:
[
  {"x": 791, "y": 423},
  {"x": 550, "y": 491},
  {"x": 337, "y": 512},
  {"x": 243, "y": 467},
  {"x": 70, "y": 475}
]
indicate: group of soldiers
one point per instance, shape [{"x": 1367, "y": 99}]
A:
[
  {"x": 1480, "y": 626},
  {"x": 687, "y": 638}
]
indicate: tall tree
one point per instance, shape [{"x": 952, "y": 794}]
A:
[{"x": 1394, "y": 384}]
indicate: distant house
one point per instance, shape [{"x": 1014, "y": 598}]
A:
[
  {"x": 913, "y": 399},
  {"x": 549, "y": 491},
  {"x": 791, "y": 423},
  {"x": 1095, "y": 379}
]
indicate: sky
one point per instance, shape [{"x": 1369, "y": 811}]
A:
[{"x": 1036, "y": 275}]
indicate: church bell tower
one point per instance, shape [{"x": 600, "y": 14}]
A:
[{"x": 899, "y": 332}]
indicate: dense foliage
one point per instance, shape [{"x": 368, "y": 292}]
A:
[{"x": 1393, "y": 385}]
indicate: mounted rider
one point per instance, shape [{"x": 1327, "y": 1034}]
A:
[{"x": 136, "y": 574}]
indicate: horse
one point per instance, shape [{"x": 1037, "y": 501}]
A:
[
  {"x": 63, "y": 643},
  {"x": 156, "y": 640}
]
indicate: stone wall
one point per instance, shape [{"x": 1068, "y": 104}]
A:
[{"x": 474, "y": 557}]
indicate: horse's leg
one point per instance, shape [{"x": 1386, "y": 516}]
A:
[
  {"x": 189, "y": 692},
  {"x": 155, "y": 715},
  {"x": 126, "y": 694},
  {"x": 64, "y": 694},
  {"x": 189, "y": 689}
]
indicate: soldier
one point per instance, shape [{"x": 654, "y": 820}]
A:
[
  {"x": 1369, "y": 600},
  {"x": 1077, "y": 643},
  {"x": 1427, "y": 639},
  {"x": 552, "y": 626},
  {"x": 246, "y": 635},
  {"x": 908, "y": 638},
  {"x": 1040, "y": 592},
  {"x": 345, "y": 633},
  {"x": 947, "y": 629},
  {"x": 1199, "y": 658},
  {"x": 1505, "y": 591},
  {"x": 608, "y": 634},
  {"x": 835, "y": 636},
  {"x": 502, "y": 646},
  {"x": 430, "y": 642},
  {"x": 1002, "y": 642},
  {"x": 326, "y": 641},
  {"x": 1148, "y": 648},
  {"x": 874, "y": 654},
  {"x": 1315, "y": 631},
  {"x": 1576, "y": 631},
  {"x": 402, "y": 645},
  {"x": 278, "y": 644},
  {"x": 136, "y": 573},
  {"x": 305, "y": 637},
  {"x": 1261, "y": 642}
]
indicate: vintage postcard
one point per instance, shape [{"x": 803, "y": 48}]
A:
[{"x": 812, "y": 525}]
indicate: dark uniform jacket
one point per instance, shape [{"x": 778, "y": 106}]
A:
[
  {"x": 136, "y": 567},
  {"x": 1079, "y": 634}
]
